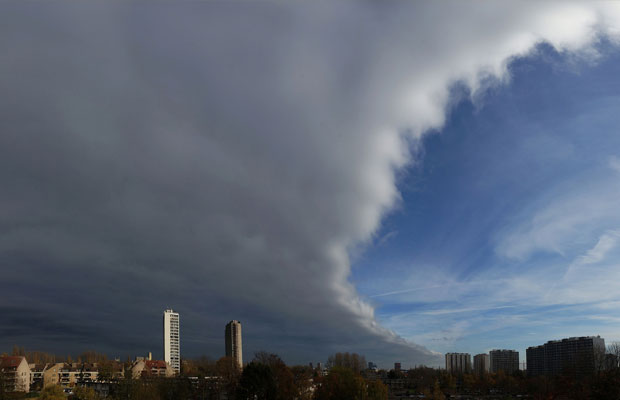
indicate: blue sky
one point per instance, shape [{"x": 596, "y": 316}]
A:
[{"x": 508, "y": 231}]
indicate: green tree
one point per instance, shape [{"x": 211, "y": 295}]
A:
[
  {"x": 84, "y": 393},
  {"x": 282, "y": 375},
  {"x": 52, "y": 392},
  {"x": 257, "y": 383},
  {"x": 341, "y": 384}
]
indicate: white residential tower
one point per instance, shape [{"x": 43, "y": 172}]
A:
[{"x": 172, "y": 340}]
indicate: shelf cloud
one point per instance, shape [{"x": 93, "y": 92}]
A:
[{"x": 226, "y": 159}]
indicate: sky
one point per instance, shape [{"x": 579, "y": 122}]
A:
[{"x": 395, "y": 179}]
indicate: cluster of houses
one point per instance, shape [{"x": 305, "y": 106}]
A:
[{"x": 16, "y": 374}]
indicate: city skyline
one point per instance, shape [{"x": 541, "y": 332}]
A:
[{"x": 398, "y": 180}]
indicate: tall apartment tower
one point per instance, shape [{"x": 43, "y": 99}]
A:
[
  {"x": 581, "y": 355},
  {"x": 481, "y": 364},
  {"x": 504, "y": 360},
  {"x": 458, "y": 363},
  {"x": 233, "y": 342},
  {"x": 172, "y": 340}
]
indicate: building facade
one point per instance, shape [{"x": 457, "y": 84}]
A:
[
  {"x": 232, "y": 341},
  {"x": 578, "y": 355},
  {"x": 504, "y": 360},
  {"x": 458, "y": 363},
  {"x": 172, "y": 340},
  {"x": 535, "y": 360},
  {"x": 482, "y": 364},
  {"x": 151, "y": 369},
  {"x": 15, "y": 373}
]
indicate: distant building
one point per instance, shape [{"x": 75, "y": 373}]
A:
[
  {"x": 36, "y": 376},
  {"x": 72, "y": 374},
  {"x": 51, "y": 374},
  {"x": 151, "y": 368},
  {"x": 579, "y": 354},
  {"x": 482, "y": 364},
  {"x": 535, "y": 360},
  {"x": 172, "y": 340},
  {"x": 458, "y": 363},
  {"x": 15, "y": 373},
  {"x": 233, "y": 344},
  {"x": 372, "y": 366},
  {"x": 504, "y": 360}
]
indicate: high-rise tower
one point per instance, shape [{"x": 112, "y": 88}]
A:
[
  {"x": 172, "y": 340},
  {"x": 233, "y": 342}
]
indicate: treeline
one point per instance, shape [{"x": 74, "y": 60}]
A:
[
  {"x": 267, "y": 377},
  {"x": 601, "y": 384},
  {"x": 41, "y": 357},
  {"x": 353, "y": 361}
]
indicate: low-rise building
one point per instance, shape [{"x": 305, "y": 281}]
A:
[
  {"x": 51, "y": 374},
  {"x": 36, "y": 376},
  {"x": 151, "y": 368},
  {"x": 15, "y": 373}
]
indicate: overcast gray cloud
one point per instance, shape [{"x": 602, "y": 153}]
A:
[{"x": 224, "y": 159}]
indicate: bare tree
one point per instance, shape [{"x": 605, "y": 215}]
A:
[{"x": 353, "y": 361}]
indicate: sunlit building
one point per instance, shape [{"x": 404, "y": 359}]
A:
[
  {"x": 172, "y": 340},
  {"x": 15, "y": 373},
  {"x": 233, "y": 344}
]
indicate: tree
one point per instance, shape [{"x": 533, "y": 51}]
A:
[
  {"x": 282, "y": 375},
  {"x": 52, "y": 392},
  {"x": 341, "y": 384},
  {"x": 226, "y": 369},
  {"x": 376, "y": 390},
  {"x": 437, "y": 393},
  {"x": 257, "y": 383},
  {"x": 92, "y": 357},
  {"x": 302, "y": 378},
  {"x": 354, "y": 361},
  {"x": 613, "y": 355},
  {"x": 84, "y": 393},
  {"x": 3, "y": 386},
  {"x": 18, "y": 351},
  {"x": 106, "y": 371}
]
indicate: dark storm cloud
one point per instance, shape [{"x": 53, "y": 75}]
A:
[{"x": 221, "y": 159}]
